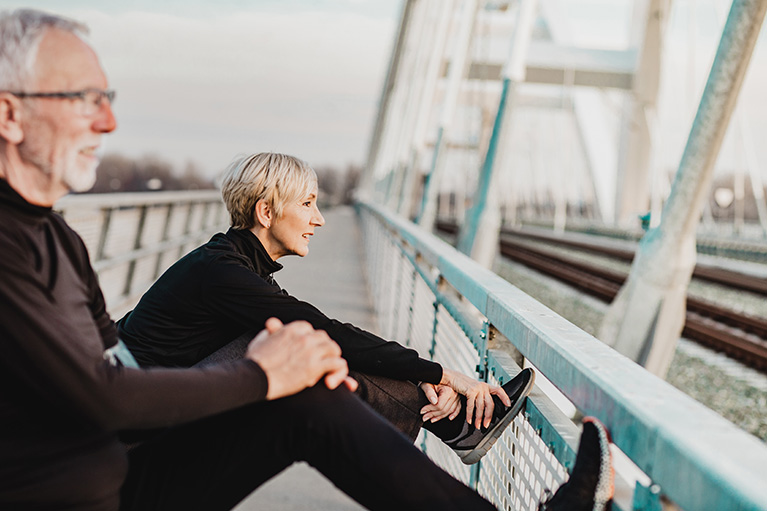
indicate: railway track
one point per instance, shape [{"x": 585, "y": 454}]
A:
[
  {"x": 738, "y": 335},
  {"x": 721, "y": 276}
]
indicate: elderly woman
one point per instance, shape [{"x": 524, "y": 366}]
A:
[{"x": 225, "y": 289}]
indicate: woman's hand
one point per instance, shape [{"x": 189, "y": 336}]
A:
[
  {"x": 479, "y": 400},
  {"x": 445, "y": 402}
]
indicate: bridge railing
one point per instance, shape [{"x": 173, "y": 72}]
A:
[
  {"x": 133, "y": 237},
  {"x": 669, "y": 449}
]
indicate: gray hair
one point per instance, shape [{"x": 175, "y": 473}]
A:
[{"x": 20, "y": 34}]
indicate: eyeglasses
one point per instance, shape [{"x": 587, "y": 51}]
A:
[{"x": 90, "y": 99}]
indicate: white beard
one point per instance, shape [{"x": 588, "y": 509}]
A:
[{"x": 81, "y": 180}]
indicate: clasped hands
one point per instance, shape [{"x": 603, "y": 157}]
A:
[
  {"x": 445, "y": 401},
  {"x": 296, "y": 356}
]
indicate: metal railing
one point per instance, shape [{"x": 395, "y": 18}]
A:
[
  {"x": 133, "y": 237},
  {"x": 669, "y": 449}
]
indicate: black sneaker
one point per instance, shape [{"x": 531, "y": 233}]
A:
[
  {"x": 591, "y": 484},
  {"x": 474, "y": 443}
]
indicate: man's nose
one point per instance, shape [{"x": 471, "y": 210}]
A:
[{"x": 105, "y": 121}]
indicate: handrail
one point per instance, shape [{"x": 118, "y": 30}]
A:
[
  {"x": 130, "y": 199},
  {"x": 699, "y": 460},
  {"x": 133, "y": 237}
]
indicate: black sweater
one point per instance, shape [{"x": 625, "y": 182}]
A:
[
  {"x": 224, "y": 289},
  {"x": 61, "y": 403}
]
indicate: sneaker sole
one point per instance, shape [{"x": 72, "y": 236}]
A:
[{"x": 473, "y": 456}]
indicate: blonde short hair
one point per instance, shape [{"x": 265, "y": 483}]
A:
[{"x": 276, "y": 178}]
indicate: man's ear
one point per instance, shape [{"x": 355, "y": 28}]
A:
[
  {"x": 10, "y": 119},
  {"x": 264, "y": 214}
]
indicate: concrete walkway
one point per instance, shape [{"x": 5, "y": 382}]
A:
[{"x": 331, "y": 278}]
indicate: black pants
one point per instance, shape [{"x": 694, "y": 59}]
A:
[
  {"x": 400, "y": 403},
  {"x": 214, "y": 463}
]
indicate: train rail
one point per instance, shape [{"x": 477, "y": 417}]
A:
[
  {"x": 738, "y": 335},
  {"x": 722, "y": 276}
]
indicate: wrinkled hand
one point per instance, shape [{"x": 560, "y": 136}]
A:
[
  {"x": 479, "y": 400},
  {"x": 445, "y": 402},
  {"x": 296, "y": 356}
]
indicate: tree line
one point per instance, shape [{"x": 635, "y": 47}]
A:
[{"x": 119, "y": 173}]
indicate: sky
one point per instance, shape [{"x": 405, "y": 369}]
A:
[{"x": 204, "y": 81}]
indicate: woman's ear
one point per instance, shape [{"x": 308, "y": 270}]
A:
[{"x": 263, "y": 214}]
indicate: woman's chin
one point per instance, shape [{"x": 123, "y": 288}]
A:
[{"x": 300, "y": 252}]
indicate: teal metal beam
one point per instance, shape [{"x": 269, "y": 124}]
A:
[
  {"x": 647, "y": 317},
  {"x": 467, "y": 235},
  {"x": 429, "y": 185},
  {"x": 480, "y": 216}
]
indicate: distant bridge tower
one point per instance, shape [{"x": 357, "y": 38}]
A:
[{"x": 465, "y": 78}]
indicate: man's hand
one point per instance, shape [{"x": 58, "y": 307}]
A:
[
  {"x": 296, "y": 356},
  {"x": 445, "y": 402},
  {"x": 479, "y": 401}
]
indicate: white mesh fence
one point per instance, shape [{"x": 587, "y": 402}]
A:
[
  {"x": 519, "y": 468},
  {"x": 517, "y": 471}
]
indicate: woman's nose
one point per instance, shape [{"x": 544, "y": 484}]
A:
[{"x": 318, "y": 219}]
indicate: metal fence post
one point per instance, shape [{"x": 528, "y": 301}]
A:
[
  {"x": 187, "y": 226},
  {"x": 439, "y": 285},
  {"x": 164, "y": 237},
  {"x": 136, "y": 245},
  {"x": 411, "y": 304},
  {"x": 106, "y": 221}
]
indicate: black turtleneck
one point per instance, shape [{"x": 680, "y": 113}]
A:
[
  {"x": 61, "y": 403},
  {"x": 224, "y": 289}
]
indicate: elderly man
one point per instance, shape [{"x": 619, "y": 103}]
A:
[{"x": 63, "y": 405}]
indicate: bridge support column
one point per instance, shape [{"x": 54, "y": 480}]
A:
[
  {"x": 638, "y": 137},
  {"x": 459, "y": 67},
  {"x": 647, "y": 317},
  {"x": 478, "y": 236},
  {"x": 479, "y": 233},
  {"x": 423, "y": 107},
  {"x": 368, "y": 176}
]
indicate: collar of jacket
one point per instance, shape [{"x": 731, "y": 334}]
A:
[
  {"x": 249, "y": 245},
  {"x": 10, "y": 199}
]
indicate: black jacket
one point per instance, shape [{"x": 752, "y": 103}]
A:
[
  {"x": 61, "y": 403},
  {"x": 224, "y": 289}
]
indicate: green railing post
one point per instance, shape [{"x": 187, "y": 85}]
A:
[
  {"x": 513, "y": 72},
  {"x": 411, "y": 306},
  {"x": 467, "y": 235}
]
